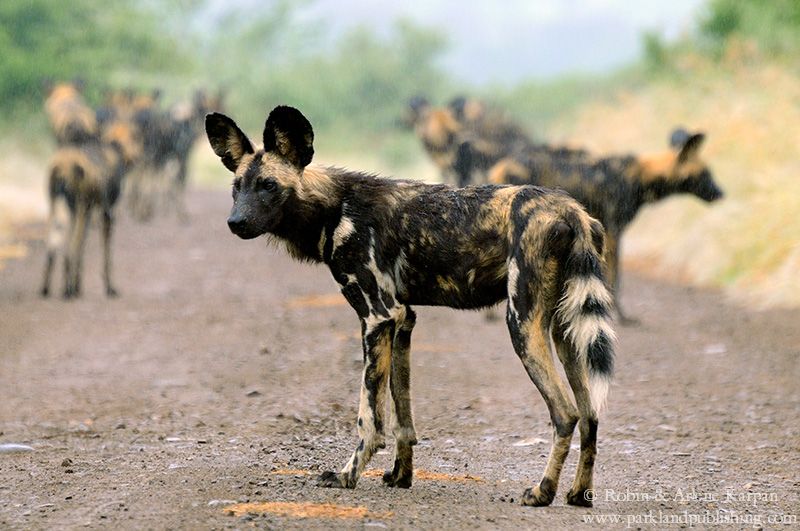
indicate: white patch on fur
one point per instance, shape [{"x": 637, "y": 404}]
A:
[
  {"x": 400, "y": 264},
  {"x": 598, "y": 391},
  {"x": 343, "y": 231},
  {"x": 59, "y": 222},
  {"x": 513, "y": 277},
  {"x": 585, "y": 329},
  {"x": 382, "y": 278},
  {"x": 577, "y": 290}
]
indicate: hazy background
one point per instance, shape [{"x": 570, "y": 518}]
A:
[{"x": 609, "y": 75}]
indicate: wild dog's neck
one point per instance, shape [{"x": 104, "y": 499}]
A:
[{"x": 314, "y": 202}]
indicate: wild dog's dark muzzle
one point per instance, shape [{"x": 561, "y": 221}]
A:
[{"x": 240, "y": 226}]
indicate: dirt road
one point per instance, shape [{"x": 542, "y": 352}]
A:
[{"x": 226, "y": 373}]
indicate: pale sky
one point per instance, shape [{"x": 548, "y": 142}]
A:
[
  {"x": 517, "y": 39},
  {"x": 511, "y": 40}
]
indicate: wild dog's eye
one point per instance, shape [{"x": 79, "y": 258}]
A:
[
  {"x": 266, "y": 185},
  {"x": 235, "y": 189}
]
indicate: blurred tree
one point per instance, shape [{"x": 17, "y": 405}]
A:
[
  {"x": 656, "y": 56},
  {"x": 772, "y": 24},
  {"x": 44, "y": 40}
]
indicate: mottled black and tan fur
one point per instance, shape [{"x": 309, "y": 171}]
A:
[
  {"x": 169, "y": 136},
  {"x": 393, "y": 244},
  {"x": 465, "y": 138},
  {"x": 71, "y": 119},
  {"x": 83, "y": 178},
  {"x": 614, "y": 188}
]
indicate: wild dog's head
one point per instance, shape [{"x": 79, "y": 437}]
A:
[
  {"x": 417, "y": 106},
  {"x": 680, "y": 170},
  {"x": 264, "y": 177},
  {"x": 126, "y": 138},
  {"x": 467, "y": 110}
]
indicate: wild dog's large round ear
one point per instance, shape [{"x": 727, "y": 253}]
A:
[
  {"x": 418, "y": 102},
  {"x": 691, "y": 147},
  {"x": 289, "y": 134},
  {"x": 678, "y": 138},
  {"x": 457, "y": 105},
  {"x": 227, "y": 140}
]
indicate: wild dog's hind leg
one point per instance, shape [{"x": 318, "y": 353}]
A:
[
  {"x": 74, "y": 263},
  {"x": 531, "y": 338},
  {"x": 577, "y": 374},
  {"x": 377, "y": 336},
  {"x": 400, "y": 384},
  {"x": 108, "y": 225},
  {"x": 58, "y": 226}
]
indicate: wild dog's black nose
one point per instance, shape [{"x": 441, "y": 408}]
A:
[{"x": 236, "y": 223}]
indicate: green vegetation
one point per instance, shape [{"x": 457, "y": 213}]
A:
[
  {"x": 773, "y": 24},
  {"x": 42, "y": 40},
  {"x": 352, "y": 85}
]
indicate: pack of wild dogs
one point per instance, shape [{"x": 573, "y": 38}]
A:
[
  {"x": 131, "y": 143},
  {"x": 528, "y": 224}
]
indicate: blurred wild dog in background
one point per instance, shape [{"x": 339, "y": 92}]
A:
[
  {"x": 71, "y": 119},
  {"x": 169, "y": 136},
  {"x": 82, "y": 178},
  {"x": 614, "y": 188},
  {"x": 465, "y": 138},
  {"x": 391, "y": 244}
]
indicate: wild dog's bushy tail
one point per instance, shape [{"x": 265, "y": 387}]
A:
[{"x": 585, "y": 308}]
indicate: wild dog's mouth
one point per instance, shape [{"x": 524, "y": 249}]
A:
[{"x": 242, "y": 229}]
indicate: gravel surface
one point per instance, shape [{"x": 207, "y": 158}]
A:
[{"x": 227, "y": 374}]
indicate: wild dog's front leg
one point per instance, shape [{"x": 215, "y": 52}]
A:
[
  {"x": 400, "y": 384},
  {"x": 377, "y": 333}
]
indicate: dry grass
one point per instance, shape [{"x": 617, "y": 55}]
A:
[
  {"x": 749, "y": 243},
  {"x": 304, "y": 510},
  {"x": 22, "y": 197}
]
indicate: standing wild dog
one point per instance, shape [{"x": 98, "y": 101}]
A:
[
  {"x": 613, "y": 189},
  {"x": 72, "y": 120},
  {"x": 169, "y": 138},
  {"x": 465, "y": 138},
  {"x": 438, "y": 130},
  {"x": 81, "y": 178},
  {"x": 394, "y": 244}
]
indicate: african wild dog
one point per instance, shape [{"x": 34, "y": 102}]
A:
[
  {"x": 613, "y": 189},
  {"x": 394, "y": 244},
  {"x": 169, "y": 137},
  {"x": 438, "y": 131},
  {"x": 465, "y": 138},
  {"x": 81, "y": 178},
  {"x": 72, "y": 120}
]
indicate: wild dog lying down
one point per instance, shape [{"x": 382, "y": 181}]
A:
[
  {"x": 83, "y": 177},
  {"x": 393, "y": 244},
  {"x": 614, "y": 188}
]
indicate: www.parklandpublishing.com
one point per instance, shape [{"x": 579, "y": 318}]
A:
[{"x": 719, "y": 517}]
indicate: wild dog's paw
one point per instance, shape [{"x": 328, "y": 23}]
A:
[
  {"x": 112, "y": 293},
  {"x": 334, "y": 480},
  {"x": 398, "y": 478},
  {"x": 580, "y": 498},
  {"x": 539, "y": 496}
]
